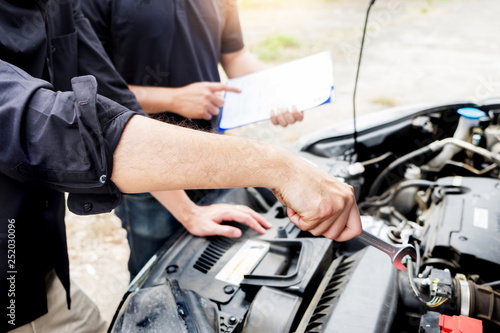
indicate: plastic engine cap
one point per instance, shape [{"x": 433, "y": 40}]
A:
[
  {"x": 460, "y": 324},
  {"x": 471, "y": 113}
]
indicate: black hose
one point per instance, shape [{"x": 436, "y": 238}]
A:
[
  {"x": 374, "y": 189},
  {"x": 416, "y": 292},
  {"x": 385, "y": 198}
]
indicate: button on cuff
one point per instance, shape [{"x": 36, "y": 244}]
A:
[{"x": 87, "y": 207}]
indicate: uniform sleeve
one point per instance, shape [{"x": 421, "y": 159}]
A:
[
  {"x": 232, "y": 38},
  {"x": 98, "y": 12},
  {"x": 93, "y": 60},
  {"x": 60, "y": 140}
]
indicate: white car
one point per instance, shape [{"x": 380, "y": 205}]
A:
[{"x": 425, "y": 176}]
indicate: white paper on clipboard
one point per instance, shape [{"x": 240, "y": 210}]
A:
[{"x": 305, "y": 83}]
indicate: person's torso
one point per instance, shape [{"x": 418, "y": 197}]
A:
[
  {"x": 167, "y": 43},
  {"x": 40, "y": 38},
  {"x": 35, "y": 39}
]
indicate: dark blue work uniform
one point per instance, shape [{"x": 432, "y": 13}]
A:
[
  {"x": 169, "y": 44},
  {"x": 51, "y": 142}
]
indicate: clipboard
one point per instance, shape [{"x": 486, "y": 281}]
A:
[{"x": 306, "y": 83}]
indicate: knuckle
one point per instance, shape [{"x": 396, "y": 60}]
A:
[
  {"x": 306, "y": 224},
  {"x": 315, "y": 232},
  {"x": 340, "y": 201},
  {"x": 326, "y": 210},
  {"x": 331, "y": 234},
  {"x": 349, "y": 200}
]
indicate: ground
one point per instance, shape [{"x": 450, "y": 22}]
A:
[{"x": 416, "y": 52}]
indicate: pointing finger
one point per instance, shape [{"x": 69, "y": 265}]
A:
[{"x": 215, "y": 86}]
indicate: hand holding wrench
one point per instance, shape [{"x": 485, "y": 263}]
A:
[{"x": 396, "y": 253}]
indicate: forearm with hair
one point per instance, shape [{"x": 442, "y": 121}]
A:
[
  {"x": 155, "y": 156},
  {"x": 154, "y": 99},
  {"x": 176, "y": 202}
]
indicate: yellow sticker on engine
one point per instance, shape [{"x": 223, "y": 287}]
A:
[{"x": 243, "y": 262}]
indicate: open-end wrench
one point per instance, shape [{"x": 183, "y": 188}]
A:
[{"x": 396, "y": 253}]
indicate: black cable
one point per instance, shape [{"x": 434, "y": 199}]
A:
[
  {"x": 355, "y": 133},
  {"x": 387, "y": 196},
  {"x": 413, "y": 286},
  {"x": 381, "y": 177}
]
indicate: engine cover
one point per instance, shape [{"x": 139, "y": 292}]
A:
[{"x": 462, "y": 225}]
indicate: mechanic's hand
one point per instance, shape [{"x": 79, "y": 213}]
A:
[
  {"x": 205, "y": 220},
  {"x": 200, "y": 100},
  {"x": 285, "y": 117},
  {"x": 320, "y": 203}
]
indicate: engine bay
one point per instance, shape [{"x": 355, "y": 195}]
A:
[{"x": 424, "y": 176}]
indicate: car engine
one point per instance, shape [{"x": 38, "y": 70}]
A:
[{"x": 424, "y": 176}]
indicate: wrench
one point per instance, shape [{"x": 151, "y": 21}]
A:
[{"x": 396, "y": 253}]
